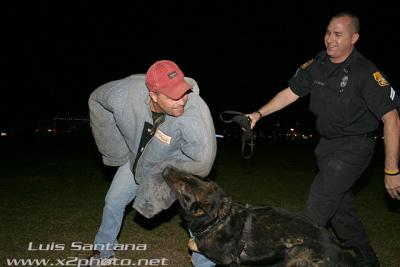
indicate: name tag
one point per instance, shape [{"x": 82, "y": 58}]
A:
[{"x": 163, "y": 137}]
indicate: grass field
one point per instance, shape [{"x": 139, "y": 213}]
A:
[{"x": 52, "y": 198}]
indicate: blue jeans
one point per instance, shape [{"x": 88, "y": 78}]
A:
[
  {"x": 201, "y": 261},
  {"x": 121, "y": 192}
]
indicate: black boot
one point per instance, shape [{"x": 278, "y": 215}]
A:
[{"x": 365, "y": 256}]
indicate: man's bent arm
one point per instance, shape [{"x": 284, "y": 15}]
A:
[
  {"x": 391, "y": 133},
  {"x": 278, "y": 102}
]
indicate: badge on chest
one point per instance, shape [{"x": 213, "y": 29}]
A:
[{"x": 166, "y": 139}]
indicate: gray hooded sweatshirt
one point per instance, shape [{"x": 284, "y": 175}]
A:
[{"x": 118, "y": 112}]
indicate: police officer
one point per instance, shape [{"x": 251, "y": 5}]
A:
[{"x": 348, "y": 96}]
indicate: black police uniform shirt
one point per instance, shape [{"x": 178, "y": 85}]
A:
[{"x": 347, "y": 99}]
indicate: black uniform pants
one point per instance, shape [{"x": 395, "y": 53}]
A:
[{"x": 341, "y": 162}]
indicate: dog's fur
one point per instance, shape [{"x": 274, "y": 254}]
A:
[{"x": 231, "y": 233}]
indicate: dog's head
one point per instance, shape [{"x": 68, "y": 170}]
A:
[{"x": 201, "y": 199}]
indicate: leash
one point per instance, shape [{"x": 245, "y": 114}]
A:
[{"x": 244, "y": 122}]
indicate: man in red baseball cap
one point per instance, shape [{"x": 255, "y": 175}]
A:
[
  {"x": 166, "y": 77},
  {"x": 141, "y": 124},
  {"x": 168, "y": 88}
]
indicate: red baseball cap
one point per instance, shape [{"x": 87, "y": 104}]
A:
[{"x": 166, "y": 77}]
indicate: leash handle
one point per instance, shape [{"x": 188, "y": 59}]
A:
[
  {"x": 229, "y": 112},
  {"x": 245, "y": 124}
]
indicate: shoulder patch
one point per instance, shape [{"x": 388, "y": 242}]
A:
[
  {"x": 308, "y": 63},
  {"x": 380, "y": 79}
]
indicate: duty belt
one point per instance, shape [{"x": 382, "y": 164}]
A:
[{"x": 369, "y": 134}]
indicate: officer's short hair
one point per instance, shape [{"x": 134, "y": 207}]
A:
[{"x": 355, "y": 21}]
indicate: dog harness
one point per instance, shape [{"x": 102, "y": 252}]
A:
[{"x": 217, "y": 223}]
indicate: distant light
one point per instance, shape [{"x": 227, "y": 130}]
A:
[
  {"x": 219, "y": 136},
  {"x": 49, "y": 130},
  {"x": 292, "y": 129},
  {"x": 3, "y": 134}
]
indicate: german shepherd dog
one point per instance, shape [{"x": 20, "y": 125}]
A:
[{"x": 235, "y": 234}]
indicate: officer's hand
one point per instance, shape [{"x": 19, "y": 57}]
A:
[
  {"x": 392, "y": 184},
  {"x": 254, "y": 117}
]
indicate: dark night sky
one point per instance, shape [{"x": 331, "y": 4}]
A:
[{"x": 241, "y": 54}]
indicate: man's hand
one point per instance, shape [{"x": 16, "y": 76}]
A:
[
  {"x": 192, "y": 245},
  {"x": 254, "y": 117},
  {"x": 278, "y": 102},
  {"x": 392, "y": 184}
]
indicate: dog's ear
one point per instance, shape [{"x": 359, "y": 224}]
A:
[
  {"x": 171, "y": 171},
  {"x": 168, "y": 171},
  {"x": 216, "y": 187}
]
